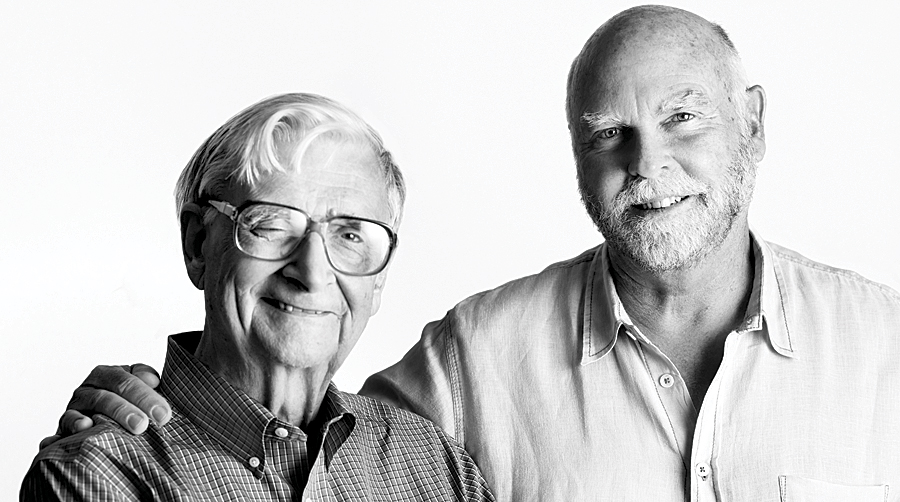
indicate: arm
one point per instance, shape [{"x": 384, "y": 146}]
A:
[
  {"x": 53, "y": 479},
  {"x": 425, "y": 381},
  {"x": 58, "y": 475},
  {"x": 124, "y": 393}
]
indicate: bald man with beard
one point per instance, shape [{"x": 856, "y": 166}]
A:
[{"x": 685, "y": 358}]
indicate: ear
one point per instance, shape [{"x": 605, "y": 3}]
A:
[
  {"x": 380, "y": 279},
  {"x": 193, "y": 234},
  {"x": 756, "y": 115}
]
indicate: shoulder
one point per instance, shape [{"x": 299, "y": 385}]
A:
[
  {"x": 806, "y": 276},
  {"x": 92, "y": 464},
  {"x": 378, "y": 415},
  {"x": 559, "y": 282},
  {"x": 402, "y": 441},
  {"x": 105, "y": 440}
]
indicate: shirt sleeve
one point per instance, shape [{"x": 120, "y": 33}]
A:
[{"x": 426, "y": 380}]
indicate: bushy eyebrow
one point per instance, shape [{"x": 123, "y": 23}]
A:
[
  {"x": 691, "y": 98},
  {"x": 599, "y": 120},
  {"x": 687, "y": 99}
]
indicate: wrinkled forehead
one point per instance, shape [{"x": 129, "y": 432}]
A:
[{"x": 648, "y": 77}]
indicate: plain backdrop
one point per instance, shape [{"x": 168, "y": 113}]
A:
[{"x": 102, "y": 104}]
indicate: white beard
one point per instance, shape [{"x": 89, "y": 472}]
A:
[{"x": 677, "y": 242}]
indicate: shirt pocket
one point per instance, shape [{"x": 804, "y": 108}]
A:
[{"x": 799, "y": 489}]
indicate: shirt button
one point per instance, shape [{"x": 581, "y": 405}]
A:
[
  {"x": 281, "y": 432},
  {"x": 254, "y": 462},
  {"x": 666, "y": 380},
  {"x": 703, "y": 471}
]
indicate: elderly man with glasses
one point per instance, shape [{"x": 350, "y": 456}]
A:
[{"x": 288, "y": 215}]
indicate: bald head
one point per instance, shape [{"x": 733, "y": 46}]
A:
[{"x": 639, "y": 36}]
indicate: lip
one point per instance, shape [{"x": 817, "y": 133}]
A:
[
  {"x": 660, "y": 203},
  {"x": 293, "y": 309}
]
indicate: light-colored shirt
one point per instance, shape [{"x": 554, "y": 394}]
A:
[
  {"x": 223, "y": 445},
  {"x": 559, "y": 396}
]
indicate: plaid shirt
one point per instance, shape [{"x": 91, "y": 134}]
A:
[{"x": 223, "y": 445}]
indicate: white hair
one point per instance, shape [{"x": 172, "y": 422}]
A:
[{"x": 276, "y": 131}]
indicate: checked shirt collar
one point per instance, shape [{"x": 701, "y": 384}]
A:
[{"x": 239, "y": 423}]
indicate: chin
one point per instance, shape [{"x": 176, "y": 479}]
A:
[
  {"x": 297, "y": 347},
  {"x": 669, "y": 246}
]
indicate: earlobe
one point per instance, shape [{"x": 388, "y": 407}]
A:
[
  {"x": 756, "y": 115},
  {"x": 193, "y": 235}
]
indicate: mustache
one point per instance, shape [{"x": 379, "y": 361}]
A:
[{"x": 641, "y": 190}]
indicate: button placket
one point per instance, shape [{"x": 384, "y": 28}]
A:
[{"x": 679, "y": 414}]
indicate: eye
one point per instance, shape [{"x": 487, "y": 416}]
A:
[
  {"x": 267, "y": 232},
  {"x": 351, "y": 237},
  {"x": 682, "y": 117},
  {"x": 266, "y": 227},
  {"x": 609, "y": 133}
]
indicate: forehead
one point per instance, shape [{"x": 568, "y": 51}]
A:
[
  {"x": 652, "y": 76},
  {"x": 643, "y": 67},
  {"x": 333, "y": 177}
]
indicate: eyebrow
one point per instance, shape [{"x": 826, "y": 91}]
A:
[
  {"x": 598, "y": 120},
  {"x": 691, "y": 98},
  {"x": 688, "y": 99}
]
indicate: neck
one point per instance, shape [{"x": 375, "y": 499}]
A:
[
  {"x": 706, "y": 299},
  {"x": 294, "y": 395}
]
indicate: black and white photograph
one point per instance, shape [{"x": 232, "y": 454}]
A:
[{"x": 464, "y": 250}]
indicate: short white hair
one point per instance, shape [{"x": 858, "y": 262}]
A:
[{"x": 276, "y": 131}]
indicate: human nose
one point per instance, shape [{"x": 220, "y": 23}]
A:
[
  {"x": 650, "y": 155},
  {"x": 309, "y": 262}
]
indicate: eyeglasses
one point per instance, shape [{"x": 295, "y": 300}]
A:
[{"x": 269, "y": 231}]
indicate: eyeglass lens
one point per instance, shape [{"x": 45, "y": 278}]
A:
[{"x": 271, "y": 232}]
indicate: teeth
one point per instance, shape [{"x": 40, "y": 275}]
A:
[
  {"x": 290, "y": 308},
  {"x": 668, "y": 201}
]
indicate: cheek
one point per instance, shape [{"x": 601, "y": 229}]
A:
[
  {"x": 705, "y": 154},
  {"x": 240, "y": 282},
  {"x": 602, "y": 181},
  {"x": 358, "y": 293}
]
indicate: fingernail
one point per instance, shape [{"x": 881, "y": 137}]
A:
[
  {"x": 133, "y": 421},
  {"x": 158, "y": 414}
]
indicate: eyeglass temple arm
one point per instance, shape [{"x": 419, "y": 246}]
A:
[{"x": 224, "y": 208}]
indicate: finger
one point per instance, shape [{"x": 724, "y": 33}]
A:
[
  {"x": 146, "y": 373},
  {"x": 47, "y": 441},
  {"x": 136, "y": 391},
  {"x": 73, "y": 421},
  {"x": 108, "y": 403}
]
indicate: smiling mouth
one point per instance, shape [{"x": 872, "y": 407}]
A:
[
  {"x": 661, "y": 203},
  {"x": 293, "y": 309}
]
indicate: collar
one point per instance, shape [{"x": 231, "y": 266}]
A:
[
  {"x": 239, "y": 423},
  {"x": 767, "y": 311}
]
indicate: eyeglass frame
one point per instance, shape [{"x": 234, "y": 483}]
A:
[{"x": 231, "y": 212}]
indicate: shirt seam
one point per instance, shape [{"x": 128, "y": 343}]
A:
[
  {"x": 847, "y": 274},
  {"x": 455, "y": 385}
]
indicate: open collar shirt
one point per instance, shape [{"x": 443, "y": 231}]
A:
[
  {"x": 559, "y": 396},
  {"x": 223, "y": 445}
]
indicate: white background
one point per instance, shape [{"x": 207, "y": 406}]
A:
[{"x": 102, "y": 104}]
